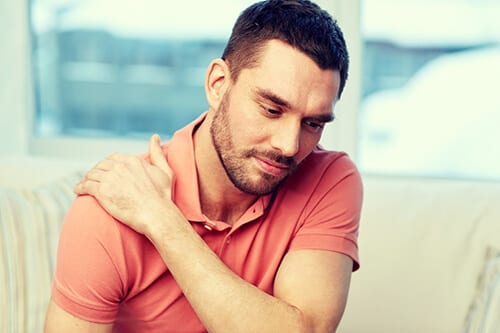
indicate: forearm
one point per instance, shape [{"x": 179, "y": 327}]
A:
[{"x": 223, "y": 301}]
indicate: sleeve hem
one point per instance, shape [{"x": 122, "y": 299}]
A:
[
  {"x": 85, "y": 312},
  {"x": 328, "y": 243}
]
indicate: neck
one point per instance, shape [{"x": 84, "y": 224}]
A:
[{"x": 220, "y": 200}]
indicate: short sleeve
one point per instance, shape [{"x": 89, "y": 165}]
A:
[
  {"x": 89, "y": 275},
  {"x": 332, "y": 214}
]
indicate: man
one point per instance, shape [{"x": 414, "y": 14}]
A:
[{"x": 240, "y": 223}]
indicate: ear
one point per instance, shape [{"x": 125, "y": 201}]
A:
[{"x": 217, "y": 81}]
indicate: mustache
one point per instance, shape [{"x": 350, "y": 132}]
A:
[{"x": 274, "y": 156}]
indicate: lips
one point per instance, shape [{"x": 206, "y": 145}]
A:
[{"x": 272, "y": 167}]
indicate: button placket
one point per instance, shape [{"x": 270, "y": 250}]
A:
[{"x": 226, "y": 241}]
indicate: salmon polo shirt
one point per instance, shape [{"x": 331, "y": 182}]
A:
[{"x": 108, "y": 273}]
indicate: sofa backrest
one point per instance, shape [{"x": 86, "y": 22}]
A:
[{"x": 30, "y": 222}]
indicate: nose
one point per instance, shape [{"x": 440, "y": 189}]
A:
[{"x": 286, "y": 139}]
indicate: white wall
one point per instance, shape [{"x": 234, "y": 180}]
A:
[{"x": 14, "y": 77}]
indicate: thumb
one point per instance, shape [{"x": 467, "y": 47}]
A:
[{"x": 156, "y": 154}]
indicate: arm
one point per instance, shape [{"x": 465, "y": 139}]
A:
[
  {"x": 310, "y": 288},
  {"x": 317, "y": 282},
  {"x": 58, "y": 320}
]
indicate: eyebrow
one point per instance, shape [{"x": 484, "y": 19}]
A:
[{"x": 275, "y": 99}]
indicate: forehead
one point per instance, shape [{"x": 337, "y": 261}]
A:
[{"x": 292, "y": 75}]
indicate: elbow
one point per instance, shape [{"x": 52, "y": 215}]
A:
[
  {"x": 304, "y": 323},
  {"x": 301, "y": 322}
]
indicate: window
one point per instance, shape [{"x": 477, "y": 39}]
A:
[
  {"x": 123, "y": 67},
  {"x": 431, "y": 72},
  {"x": 108, "y": 73}
]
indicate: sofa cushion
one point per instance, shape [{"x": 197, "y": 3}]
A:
[{"x": 30, "y": 221}]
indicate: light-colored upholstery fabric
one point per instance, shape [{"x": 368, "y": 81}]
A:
[
  {"x": 422, "y": 245},
  {"x": 30, "y": 221}
]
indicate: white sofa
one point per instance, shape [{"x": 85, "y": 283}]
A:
[
  {"x": 430, "y": 251},
  {"x": 430, "y": 258}
]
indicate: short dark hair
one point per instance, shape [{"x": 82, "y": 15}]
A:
[{"x": 299, "y": 23}]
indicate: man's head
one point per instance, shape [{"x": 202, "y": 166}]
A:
[
  {"x": 299, "y": 23},
  {"x": 269, "y": 120},
  {"x": 274, "y": 91}
]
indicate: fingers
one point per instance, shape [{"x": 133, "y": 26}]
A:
[
  {"x": 95, "y": 175},
  {"x": 156, "y": 154},
  {"x": 104, "y": 165},
  {"x": 90, "y": 183},
  {"x": 87, "y": 187},
  {"x": 117, "y": 167}
]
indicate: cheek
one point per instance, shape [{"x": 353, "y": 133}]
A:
[
  {"x": 251, "y": 135},
  {"x": 245, "y": 132},
  {"x": 250, "y": 128}
]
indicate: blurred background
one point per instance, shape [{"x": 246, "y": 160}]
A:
[{"x": 83, "y": 77}]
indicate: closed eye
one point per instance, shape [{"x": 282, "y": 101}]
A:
[
  {"x": 270, "y": 111},
  {"x": 274, "y": 112},
  {"x": 315, "y": 126}
]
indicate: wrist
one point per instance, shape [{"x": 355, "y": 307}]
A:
[{"x": 163, "y": 222}]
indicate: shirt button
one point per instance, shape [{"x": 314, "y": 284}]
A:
[
  {"x": 228, "y": 240},
  {"x": 209, "y": 228}
]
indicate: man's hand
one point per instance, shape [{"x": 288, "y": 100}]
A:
[{"x": 129, "y": 188}]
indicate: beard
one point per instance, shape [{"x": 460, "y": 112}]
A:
[{"x": 238, "y": 164}]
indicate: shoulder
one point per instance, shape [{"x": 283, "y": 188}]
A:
[
  {"x": 330, "y": 161},
  {"x": 87, "y": 219},
  {"x": 324, "y": 170},
  {"x": 328, "y": 192},
  {"x": 96, "y": 261},
  {"x": 89, "y": 232},
  {"x": 88, "y": 224},
  {"x": 326, "y": 184}
]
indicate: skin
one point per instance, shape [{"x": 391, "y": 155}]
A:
[{"x": 262, "y": 125}]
